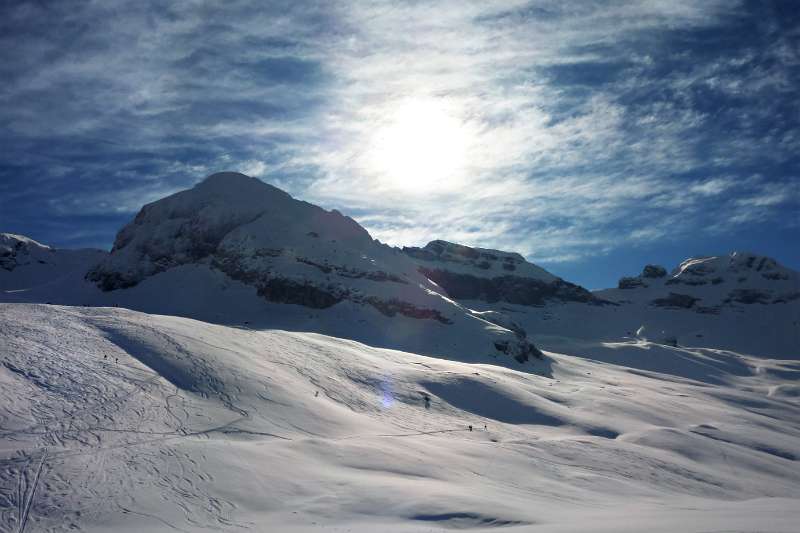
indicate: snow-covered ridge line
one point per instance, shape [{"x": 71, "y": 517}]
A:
[
  {"x": 711, "y": 284},
  {"x": 288, "y": 252},
  {"x": 236, "y": 249}
]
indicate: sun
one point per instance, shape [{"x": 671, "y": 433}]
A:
[{"x": 421, "y": 146}]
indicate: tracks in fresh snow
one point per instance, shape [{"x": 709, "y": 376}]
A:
[
  {"x": 27, "y": 496},
  {"x": 84, "y": 412}
]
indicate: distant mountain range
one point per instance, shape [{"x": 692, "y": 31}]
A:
[{"x": 235, "y": 250}]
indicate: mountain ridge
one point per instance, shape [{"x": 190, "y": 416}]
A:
[{"x": 223, "y": 249}]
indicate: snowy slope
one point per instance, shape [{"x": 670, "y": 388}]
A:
[
  {"x": 235, "y": 250},
  {"x": 742, "y": 302},
  {"x": 245, "y": 400},
  {"x": 118, "y": 420},
  {"x": 26, "y": 264}
]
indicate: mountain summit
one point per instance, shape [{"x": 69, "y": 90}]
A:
[
  {"x": 292, "y": 252},
  {"x": 234, "y": 250}
]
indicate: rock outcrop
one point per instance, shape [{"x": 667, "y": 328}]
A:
[
  {"x": 16, "y": 250},
  {"x": 708, "y": 285},
  {"x": 290, "y": 252},
  {"x": 492, "y": 276}
]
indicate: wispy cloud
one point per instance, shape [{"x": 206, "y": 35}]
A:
[{"x": 587, "y": 126}]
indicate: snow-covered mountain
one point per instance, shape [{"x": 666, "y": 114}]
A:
[
  {"x": 742, "y": 301},
  {"x": 247, "y": 384},
  {"x": 467, "y": 273},
  {"x": 236, "y": 250},
  {"x": 711, "y": 284},
  {"x": 27, "y": 264}
]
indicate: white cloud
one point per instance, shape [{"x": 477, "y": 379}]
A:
[
  {"x": 252, "y": 168},
  {"x": 553, "y": 170}
]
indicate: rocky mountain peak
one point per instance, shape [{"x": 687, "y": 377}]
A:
[
  {"x": 480, "y": 262},
  {"x": 709, "y": 284},
  {"x": 292, "y": 252},
  {"x": 18, "y": 249},
  {"x": 488, "y": 275}
]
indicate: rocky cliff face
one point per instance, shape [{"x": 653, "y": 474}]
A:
[
  {"x": 492, "y": 276},
  {"x": 25, "y": 263},
  {"x": 16, "y": 250},
  {"x": 712, "y": 284},
  {"x": 290, "y": 251}
]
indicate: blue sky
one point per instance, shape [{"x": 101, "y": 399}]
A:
[{"x": 592, "y": 137}]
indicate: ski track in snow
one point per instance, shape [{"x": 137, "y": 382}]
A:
[
  {"x": 185, "y": 426},
  {"x": 90, "y": 411}
]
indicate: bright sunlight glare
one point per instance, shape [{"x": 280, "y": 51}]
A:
[{"x": 421, "y": 147}]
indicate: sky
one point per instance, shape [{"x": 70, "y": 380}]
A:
[{"x": 592, "y": 137}]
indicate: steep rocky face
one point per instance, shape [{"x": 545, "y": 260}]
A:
[
  {"x": 16, "y": 250},
  {"x": 467, "y": 273},
  {"x": 25, "y": 263},
  {"x": 711, "y": 284},
  {"x": 511, "y": 289},
  {"x": 478, "y": 262},
  {"x": 650, "y": 272},
  {"x": 290, "y": 251},
  {"x": 230, "y": 218}
]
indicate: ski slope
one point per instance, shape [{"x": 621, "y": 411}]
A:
[{"x": 116, "y": 420}]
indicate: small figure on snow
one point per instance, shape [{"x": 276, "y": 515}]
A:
[
  {"x": 427, "y": 401},
  {"x": 470, "y": 427},
  {"x": 316, "y": 394}
]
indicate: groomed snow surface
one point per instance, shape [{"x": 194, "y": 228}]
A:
[{"x": 115, "y": 420}]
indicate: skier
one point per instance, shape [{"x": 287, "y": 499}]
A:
[
  {"x": 316, "y": 394},
  {"x": 470, "y": 427},
  {"x": 427, "y": 401}
]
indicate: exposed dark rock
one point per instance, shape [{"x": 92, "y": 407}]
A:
[
  {"x": 372, "y": 275},
  {"x": 288, "y": 291},
  {"x": 654, "y": 271},
  {"x": 786, "y": 298},
  {"x": 323, "y": 267},
  {"x": 511, "y": 289},
  {"x": 676, "y": 301},
  {"x": 670, "y": 341},
  {"x": 525, "y": 352},
  {"x": 447, "y": 252},
  {"x": 268, "y": 252},
  {"x": 393, "y": 307},
  {"x": 110, "y": 281},
  {"x": 233, "y": 268},
  {"x": 630, "y": 283},
  {"x": 748, "y": 296}
]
